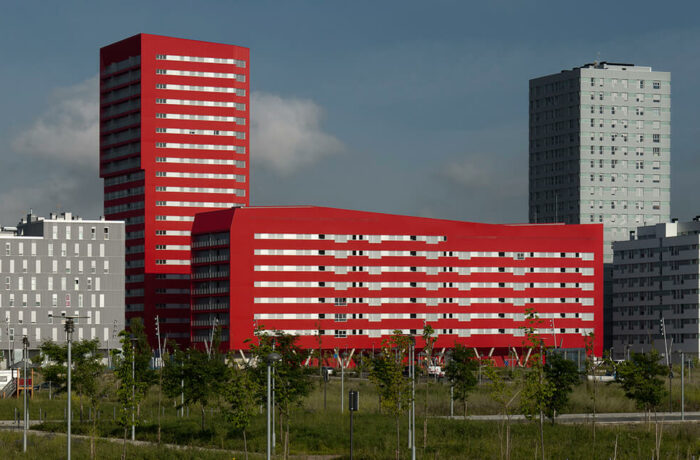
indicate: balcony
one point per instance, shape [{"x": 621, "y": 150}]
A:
[
  {"x": 203, "y": 244},
  {"x": 218, "y": 274},
  {"x": 207, "y": 259},
  {"x": 208, "y": 291}
]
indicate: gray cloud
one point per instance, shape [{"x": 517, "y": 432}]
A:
[
  {"x": 286, "y": 133},
  {"x": 68, "y": 129}
]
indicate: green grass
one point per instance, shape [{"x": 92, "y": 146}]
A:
[
  {"x": 54, "y": 446},
  {"x": 317, "y": 431}
]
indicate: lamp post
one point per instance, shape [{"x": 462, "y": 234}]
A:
[
  {"x": 271, "y": 359},
  {"x": 413, "y": 398},
  {"x": 69, "y": 328},
  {"x": 343, "y": 356},
  {"x": 25, "y": 343},
  {"x": 133, "y": 387}
]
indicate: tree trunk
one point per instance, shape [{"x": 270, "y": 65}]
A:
[
  {"x": 124, "y": 446},
  {"x": 286, "y": 440},
  {"x": 398, "y": 440},
  {"x": 203, "y": 417},
  {"x": 465, "y": 409},
  {"x": 245, "y": 444},
  {"x": 542, "y": 432},
  {"x": 92, "y": 435}
]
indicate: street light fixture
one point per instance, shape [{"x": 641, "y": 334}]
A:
[
  {"x": 271, "y": 358},
  {"x": 69, "y": 327},
  {"x": 25, "y": 343}
]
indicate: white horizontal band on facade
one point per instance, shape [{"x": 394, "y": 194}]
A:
[
  {"x": 378, "y": 270},
  {"x": 194, "y": 175},
  {"x": 187, "y": 116},
  {"x": 173, "y": 262},
  {"x": 227, "y": 104},
  {"x": 235, "y": 191},
  {"x": 465, "y": 255},
  {"x": 196, "y": 73},
  {"x": 207, "y": 60},
  {"x": 202, "y": 132},
  {"x": 209, "y": 89},
  {"x": 202, "y": 161},
  {"x": 196, "y": 204},
  {"x": 175, "y": 218},
  {"x": 176, "y": 145},
  {"x": 344, "y": 285}
]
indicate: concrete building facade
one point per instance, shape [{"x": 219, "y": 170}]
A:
[
  {"x": 655, "y": 277},
  {"x": 61, "y": 265},
  {"x": 600, "y": 148}
]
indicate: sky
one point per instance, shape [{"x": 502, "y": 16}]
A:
[{"x": 403, "y": 107}]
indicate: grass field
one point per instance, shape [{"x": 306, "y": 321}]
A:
[{"x": 315, "y": 430}]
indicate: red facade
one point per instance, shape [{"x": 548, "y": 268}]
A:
[
  {"x": 357, "y": 276},
  {"x": 174, "y": 141}
]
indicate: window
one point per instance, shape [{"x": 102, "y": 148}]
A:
[
  {"x": 106, "y": 233},
  {"x": 341, "y": 301},
  {"x": 92, "y": 233},
  {"x": 656, "y": 85},
  {"x": 656, "y": 138},
  {"x": 341, "y": 334}
]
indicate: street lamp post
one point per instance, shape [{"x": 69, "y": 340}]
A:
[
  {"x": 271, "y": 359},
  {"x": 343, "y": 356},
  {"x": 69, "y": 328},
  {"x": 25, "y": 343},
  {"x": 133, "y": 387}
]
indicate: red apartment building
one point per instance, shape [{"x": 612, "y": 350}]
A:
[
  {"x": 357, "y": 276},
  {"x": 174, "y": 138}
]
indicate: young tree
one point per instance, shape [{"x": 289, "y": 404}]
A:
[
  {"x": 89, "y": 381},
  {"x": 387, "y": 374},
  {"x": 238, "y": 393},
  {"x": 131, "y": 389},
  {"x": 639, "y": 379},
  {"x": 204, "y": 377},
  {"x": 461, "y": 373},
  {"x": 561, "y": 375},
  {"x": 537, "y": 390},
  {"x": 505, "y": 395},
  {"x": 292, "y": 378},
  {"x": 87, "y": 374},
  {"x": 429, "y": 337}
]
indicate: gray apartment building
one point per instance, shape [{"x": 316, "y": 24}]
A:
[
  {"x": 600, "y": 148},
  {"x": 655, "y": 276},
  {"x": 60, "y": 265}
]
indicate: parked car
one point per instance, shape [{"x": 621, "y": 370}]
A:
[
  {"x": 328, "y": 370},
  {"x": 436, "y": 371}
]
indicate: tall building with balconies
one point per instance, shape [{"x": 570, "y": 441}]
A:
[
  {"x": 600, "y": 148},
  {"x": 174, "y": 130}
]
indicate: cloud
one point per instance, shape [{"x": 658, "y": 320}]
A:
[
  {"x": 68, "y": 129},
  {"x": 483, "y": 187},
  {"x": 286, "y": 133}
]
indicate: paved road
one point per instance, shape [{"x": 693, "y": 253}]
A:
[{"x": 631, "y": 417}]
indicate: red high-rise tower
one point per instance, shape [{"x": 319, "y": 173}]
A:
[{"x": 174, "y": 130}]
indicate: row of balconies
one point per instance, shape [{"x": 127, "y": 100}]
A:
[
  {"x": 217, "y": 274},
  {"x": 207, "y": 259},
  {"x": 202, "y": 244}
]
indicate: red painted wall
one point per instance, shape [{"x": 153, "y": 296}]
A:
[
  {"x": 158, "y": 291},
  {"x": 461, "y": 237}
]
